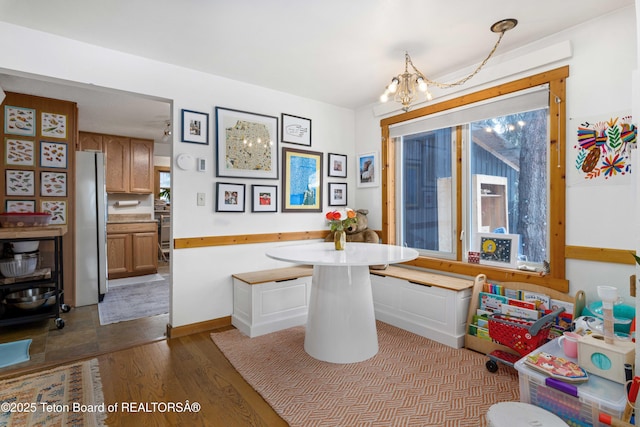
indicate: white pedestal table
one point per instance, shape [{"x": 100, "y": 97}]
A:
[{"x": 341, "y": 324}]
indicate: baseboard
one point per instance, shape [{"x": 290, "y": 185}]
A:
[
  {"x": 268, "y": 327},
  {"x": 194, "y": 328},
  {"x": 420, "y": 329}
]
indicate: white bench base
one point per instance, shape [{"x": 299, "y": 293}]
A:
[{"x": 260, "y": 308}]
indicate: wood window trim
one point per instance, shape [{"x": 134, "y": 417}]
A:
[
  {"x": 156, "y": 180},
  {"x": 556, "y": 80}
]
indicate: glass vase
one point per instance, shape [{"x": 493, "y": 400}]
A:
[{"x": 339, "y": 239}]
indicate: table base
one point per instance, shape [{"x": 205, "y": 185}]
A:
[{"x": 341, "y": 324}]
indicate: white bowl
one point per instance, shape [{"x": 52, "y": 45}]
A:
[
  {"x": 18, "y": 266},
  {"x": 25, "y": 246}
]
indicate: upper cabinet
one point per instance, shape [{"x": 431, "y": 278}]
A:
[{"x": 129, "y": 161}]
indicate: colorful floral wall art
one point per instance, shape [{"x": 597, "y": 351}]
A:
[{"x": 604, "y": 147}]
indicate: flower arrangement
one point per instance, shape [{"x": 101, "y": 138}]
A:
[{"x": 342, "y": 219}]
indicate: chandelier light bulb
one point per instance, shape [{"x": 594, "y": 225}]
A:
[
  {"x": 384, "y": 97},
  {"x": 393, "y": 86},
  {"x": 422, "y": 85}
]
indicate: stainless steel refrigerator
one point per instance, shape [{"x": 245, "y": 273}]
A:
[{"x": 91, "y": 228}]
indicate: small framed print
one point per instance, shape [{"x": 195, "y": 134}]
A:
[
  {"x": 497, "y": 249},
  {"x": 20, "y": 206},
  {"x": 264, "y": 198},
  {"x": 337, "y": 165},
  {"x": 19, "y": 121},
  {"x": 19, "y": 152},
  {"x": 229, "y": 197},
  {"x": 57, "y": 209},
  {"x": 337, "y": 194},
  {"x": 53, "y": 184},
  {"x": 53, "y": 125},
  {"x": 53, "y": 154},
  {"x": 19, "y": 183},
  {"x": 296, "y": 130},
  {"x": 368, "y": 170},
  {"x": 195, "y": 127}
]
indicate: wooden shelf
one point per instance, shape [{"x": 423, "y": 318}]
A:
[{"x": 33, "y": 232}]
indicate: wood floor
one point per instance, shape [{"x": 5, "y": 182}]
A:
[{"x": 189, "y": 368}]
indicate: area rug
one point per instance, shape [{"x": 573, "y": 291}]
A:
[
  {"x": 129, "y": 302},
  {"x": 12, "y": 353},
  {"x": 69, "y": 395},
  {"x": 412, "y": 381}
]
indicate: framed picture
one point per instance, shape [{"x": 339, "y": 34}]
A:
[
  {"x": 264, "y": 198},
  {"x": 19, "y": 121},
  {"x": 53, "y": 154},
  {"x": 20, "y": 206},
  {"x": 57, "y": 209},
  {"x": 247, "y": 144},
  {"x": 498, "y": 249},
  {"x": 229, "y": 197},
  {"x": 296, "y": 130},
  {"x": 19, "y": 152},
  {"x": 19, "y": 183},
  {"x": 195, "y": 127},
  {"x": 53, "y": 125},
  {"x": 368, "y": 170},
  {"x": 337, "y": 165},
  {"x": 302, "y": 181},
  {"x": 53, "y": 184},
  {"x": 337, "y": 194}
]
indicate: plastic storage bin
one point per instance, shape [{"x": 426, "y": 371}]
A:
[
  {"x": 14, "y": 219},
  {"x": 594, "y": 396}
]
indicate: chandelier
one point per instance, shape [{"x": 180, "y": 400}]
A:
[{"x": 405, "y": 86}]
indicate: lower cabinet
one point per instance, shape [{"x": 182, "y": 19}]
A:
[{"x": 132, "y": 249}]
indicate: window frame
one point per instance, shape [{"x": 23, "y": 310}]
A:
[{"x": 556, "y": 79}]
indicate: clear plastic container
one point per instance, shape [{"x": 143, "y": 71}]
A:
[{"x": 35, "y": 219}]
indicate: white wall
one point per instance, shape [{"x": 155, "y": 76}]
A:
[
  {"x": 602, "y": 59},
  {"x": 202, "y": 287}
]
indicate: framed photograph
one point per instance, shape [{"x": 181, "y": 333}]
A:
[
  {"x": 247, "y": 144},
  {"x": 368, "y": 170},
  {"x": 19, "y": 121},
  {"x": 53, "y": 184},
  {"x": 296, "y": 130},
  {"x": 20, "y": 206},
  {"x": 264, "y": 198},
  {"x": 337, "y": 194},
  {"x": 19, "y": 183},
  {"x": 53, "y": 125},
  {"x": 57, "y": 209},
  {"x": 53, "y": 154},
  {"x": 302, "y": 181},
  {"x": 229, "y": 197},
  {"x": 337, "y": 165},
  {"x": 498, "y": 249},
  {"x": 195, "y": 127},
  {"x": 19, "y": 152}
]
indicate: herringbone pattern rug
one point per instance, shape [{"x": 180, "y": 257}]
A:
[{"x": 412, "y": 381}]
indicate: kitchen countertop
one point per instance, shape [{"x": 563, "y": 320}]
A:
[{"x": 129, "y": 218}]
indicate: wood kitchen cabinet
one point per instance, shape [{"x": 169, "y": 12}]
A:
[
  {"x": 132, "y": 249},
  {"x": 129, "y": 165}
]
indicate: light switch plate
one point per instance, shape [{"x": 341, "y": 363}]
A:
[{"x": 200, "y": 199}]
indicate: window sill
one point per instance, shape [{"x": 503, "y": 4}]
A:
[{"x": 492, "y": 273}]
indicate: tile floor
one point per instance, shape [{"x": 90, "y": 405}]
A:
[{"x": 82, "y": 336}]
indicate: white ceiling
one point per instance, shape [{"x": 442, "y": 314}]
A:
[{"x": 342, "y": 52}]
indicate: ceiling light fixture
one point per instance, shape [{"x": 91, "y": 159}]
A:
[
  {"x": 167, "y": 131},
  {"x": 404, "y": 86}
]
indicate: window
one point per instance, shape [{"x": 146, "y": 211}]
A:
[
  {"x": 163, "y": 183},
  {"x": 489, "y": 162}
]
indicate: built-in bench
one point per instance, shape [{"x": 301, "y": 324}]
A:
[
  {"x": 430, "y": 305},
  {"x": 270, "y": 300}
]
